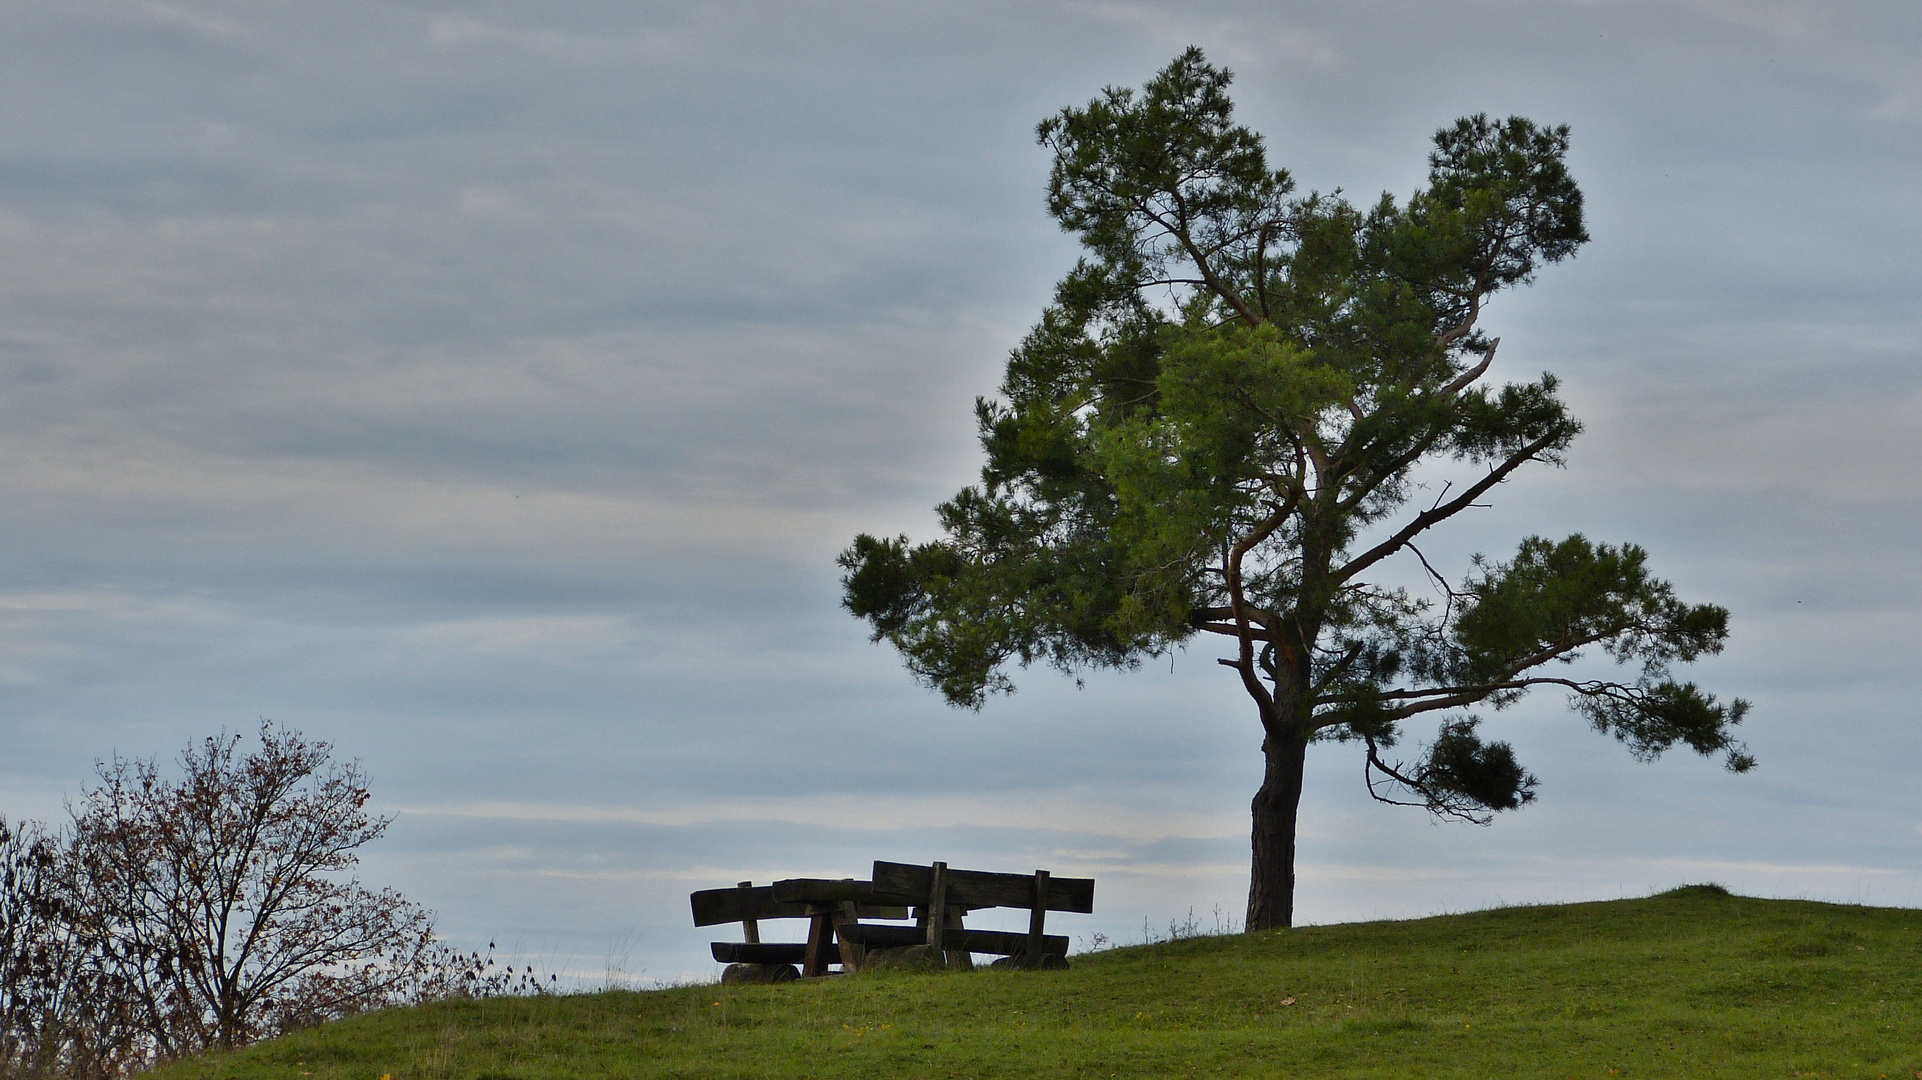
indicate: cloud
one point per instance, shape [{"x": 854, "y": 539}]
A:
[
  {"x": 1138, "y": 815},
  {"x": 489, "y": 390}
]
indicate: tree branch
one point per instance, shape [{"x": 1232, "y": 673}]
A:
[
  {"x": 1238, "y": 603},
  {"x": 1434, "y": 515},
  {"x": 1213, "y": 281},
  {"x": 1465, "y": 379}
]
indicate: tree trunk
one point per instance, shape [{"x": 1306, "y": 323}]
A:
[{"x": 1271, "y": 880}]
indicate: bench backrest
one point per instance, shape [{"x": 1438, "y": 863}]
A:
[{"x": 982, "y": 889}]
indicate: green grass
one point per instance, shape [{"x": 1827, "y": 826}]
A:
[{"x": 1692, "y": 983}]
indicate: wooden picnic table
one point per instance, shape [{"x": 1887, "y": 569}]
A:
[{"x": 935, "y": 896}]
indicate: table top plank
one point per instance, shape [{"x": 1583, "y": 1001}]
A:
[{"x": 712, "y": 906}]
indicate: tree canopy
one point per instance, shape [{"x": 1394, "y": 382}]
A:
[{"x": 1216, "y": 428}]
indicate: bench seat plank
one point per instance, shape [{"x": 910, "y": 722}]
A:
[
  {"x": 1007, "y": 943},
  {"x": 741, "y": 952},
  {"x": 997, "y": 942}
]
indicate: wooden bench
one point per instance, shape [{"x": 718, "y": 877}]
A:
[
  {"x": 943, "y": 895},
  {"x": 749, "y": 904},
  {"x": 937, "y": 896}
]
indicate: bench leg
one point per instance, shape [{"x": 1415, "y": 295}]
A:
[
  {"x": 959, "y": 959},
  {"x": 938, "y": 908},
  {"x": 820, "y": 942},
  {"x": 1038, "y": 915},
  {"x": 851, "y": 954},
  {"x": 752, "y": 927}
]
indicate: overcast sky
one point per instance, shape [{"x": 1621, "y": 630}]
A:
[{"x": 487, "y": 388}]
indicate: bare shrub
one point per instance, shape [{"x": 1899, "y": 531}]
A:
[
  {"x": 210, "y": 910},
  {"x": 222, "y": 891},
  {"x": 63, "y": 1010}
]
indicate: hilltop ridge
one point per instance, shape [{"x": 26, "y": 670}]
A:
[{"x": 1693, "y": 982}]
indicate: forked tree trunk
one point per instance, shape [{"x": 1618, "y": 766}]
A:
[{"x": 1271, "y": 880}]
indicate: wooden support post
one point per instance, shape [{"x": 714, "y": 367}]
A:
[
  {"x": 820, "y": 940},
  {"x": 851, "y": 954},
  {"x": 960, "y": 959},
  {"x": 938, "y": 908},
  {"x": 1037, "y": 916},
  {"x": 751, "y": 926}
]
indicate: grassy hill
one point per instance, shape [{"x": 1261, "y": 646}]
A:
[{"x": 1692, "y": 983}]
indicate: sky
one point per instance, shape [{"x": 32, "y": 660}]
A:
[{"x": 487, "y": 388}]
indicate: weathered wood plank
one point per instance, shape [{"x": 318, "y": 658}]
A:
[
  {"x": 861, "y": 911},
  {"x": 884, "y": 936},
  {"x": 1038, "y": 914},
  {"x": 982, "y": 889},
  {"x": 1005, "y": 942},
  {"x": 960, "y": 957},
  {"x": 823, "y": 890},
  {"x": 713, "y": 906},
  {"x": 997, "y": 942},
  {"x": 851, "y": 951},
  {"x": 752, "y": 926},
  {"x": 937, "y": 906},
  {"x": 759, "y": 952},
  {"x": 840, "y": 890},
  {"x": 820, "y": 947}
]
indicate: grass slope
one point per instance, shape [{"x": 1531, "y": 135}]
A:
[{"x": 1693, "y": 983}]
